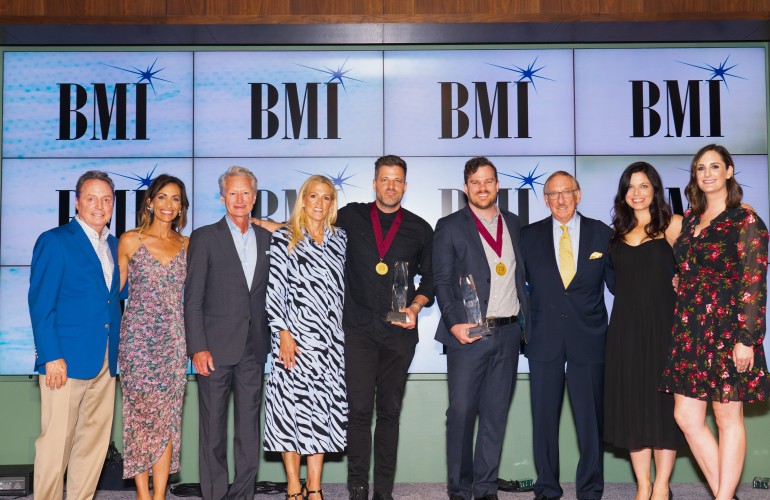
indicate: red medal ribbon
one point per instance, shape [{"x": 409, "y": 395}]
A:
[
  {"x": 495, "y": 244},
  {"x": 383, "y": 245}
]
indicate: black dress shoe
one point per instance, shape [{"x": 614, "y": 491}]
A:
[
  {"x": 358, "y": 492},
  {"x": 542, "y": 497},
  {"x": 493, "y": 496},
  {"x": 381, "y": 496},
  {"x": 455, "y": 496}
]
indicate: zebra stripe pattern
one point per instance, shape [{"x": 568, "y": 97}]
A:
[{"x": 306, "y": 407}]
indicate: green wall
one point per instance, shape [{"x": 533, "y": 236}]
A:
[{"x": 421, "y": 447}]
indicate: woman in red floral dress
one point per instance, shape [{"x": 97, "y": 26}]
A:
[{"x": 719, "y": 321}]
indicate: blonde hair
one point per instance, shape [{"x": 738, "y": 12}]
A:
[{"x": 298, "y": 220}]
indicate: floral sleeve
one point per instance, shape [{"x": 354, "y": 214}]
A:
[{"x": 751, "y": 290}]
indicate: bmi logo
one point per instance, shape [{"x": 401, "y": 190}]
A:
[
  {"x": 104, "y": 107},
  {"x": 499, "y": 110},
  {"x": 303, "y": 107},
  {"x": 692, "y": 108}
]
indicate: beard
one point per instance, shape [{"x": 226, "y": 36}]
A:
[
  {"x": 389, "y": 201},
  {"x": 481, "y": 204}
]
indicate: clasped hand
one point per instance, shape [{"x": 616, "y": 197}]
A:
[
  {"x": 743, "y": 357},
  {"x": 288, "y": 350}
]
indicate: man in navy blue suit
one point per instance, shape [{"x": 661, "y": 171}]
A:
[
  {"x": 566, "y": 260},
  {"x": 75, "y": 312},
  {"x": 482, "y": 241}
]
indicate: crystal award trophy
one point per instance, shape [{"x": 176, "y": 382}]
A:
[
  {"x": 473, "y": 308},
  {"x": 399, "y": 290}
]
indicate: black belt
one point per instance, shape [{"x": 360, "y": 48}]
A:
[{"x": 498, "y": 322}]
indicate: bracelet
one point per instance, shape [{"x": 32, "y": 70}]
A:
[{"x": 418, "y": 305}]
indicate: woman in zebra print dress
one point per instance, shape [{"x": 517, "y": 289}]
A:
[{"x": 306, "y": 406}]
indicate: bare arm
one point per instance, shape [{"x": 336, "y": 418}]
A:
[{"x": 127, "y": 246}]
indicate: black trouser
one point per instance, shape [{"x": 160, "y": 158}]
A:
[{"x": 375, "y": 367}]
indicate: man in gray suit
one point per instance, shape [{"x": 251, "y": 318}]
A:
[{"x": 227, "y": 334}]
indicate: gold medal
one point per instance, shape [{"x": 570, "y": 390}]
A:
[
  {"x": 381, "y": 268},
  {"x": 500, "y": 269}
]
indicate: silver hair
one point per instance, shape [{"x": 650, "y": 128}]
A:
[{"x": 237, "y": 171}]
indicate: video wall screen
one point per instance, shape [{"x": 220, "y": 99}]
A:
[{"x": 288, "y": 114}]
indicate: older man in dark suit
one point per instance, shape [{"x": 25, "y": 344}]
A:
[
  {"x": 227, "y": 334},
  {"x": 566, "y": 258},
  {"x": 482, "y": 241}
]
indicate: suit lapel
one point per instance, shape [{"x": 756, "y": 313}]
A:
[
  {"x": 548, "y": 243},
  {"x": 473, "y": 231},
  {"x": 585, "y": 246},
  {"x": 261, "y": 267},
  {"x": 115, "y": 271},
  {"x": 225, "y": 241}
]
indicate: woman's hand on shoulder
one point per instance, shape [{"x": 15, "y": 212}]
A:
[
  {"x": 747, "y": 207},
  {"x": 185, "y": 242},
  {"x": 266, "y": 224}
]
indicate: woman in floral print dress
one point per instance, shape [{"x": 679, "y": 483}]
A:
[
  {"x": 719, "y": 321},
  {"x": 153, "y": 353}
]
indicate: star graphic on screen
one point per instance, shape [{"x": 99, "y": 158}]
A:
[
  {"x": 529, "y": 73},
  {"x": 529, "y": 179},
  {"x": 144, "y": 182},
  {"x": 719, "y": 72},
  {"x": 339, "y": 74},
  {"x": 339, "y": 180},
  {"x": 148, "y": 75}
]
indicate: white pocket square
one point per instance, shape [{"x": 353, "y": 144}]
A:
[{"x": 595, "y": 255}]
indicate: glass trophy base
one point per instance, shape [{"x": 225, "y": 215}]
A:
[
  {"x": 396, "y": 317},
  {"x": 479, "y": 331}
]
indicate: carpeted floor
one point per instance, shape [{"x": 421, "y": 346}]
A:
[{"x": 434, "y": 491}]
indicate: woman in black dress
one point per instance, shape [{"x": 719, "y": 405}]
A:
[
  {"x": 637, "y": 416},
  {"x": 719, "y": 324}
]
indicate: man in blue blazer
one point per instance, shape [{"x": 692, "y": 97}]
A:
[
  {"x": 566, "y": 258},
  {"x": 75, "y": 312},
  {"x": 482, "y": 241}
]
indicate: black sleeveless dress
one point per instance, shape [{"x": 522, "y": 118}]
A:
[{"x": 636, "y": 414}]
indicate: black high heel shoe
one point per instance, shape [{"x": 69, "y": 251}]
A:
[{"x": 306, "y": 494}]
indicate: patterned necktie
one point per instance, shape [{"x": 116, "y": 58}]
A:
[{"x": 566, "y": 259}]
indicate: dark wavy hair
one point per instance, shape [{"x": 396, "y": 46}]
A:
[
  {"x": 146, "y": 217},
  {"x": 693, "y": 193},
  {"x": 474, "y": 164},
  {"x": 623, "y": 218}
]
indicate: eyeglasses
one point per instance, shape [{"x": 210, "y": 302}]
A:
[{"x": 568, "y": 195}]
